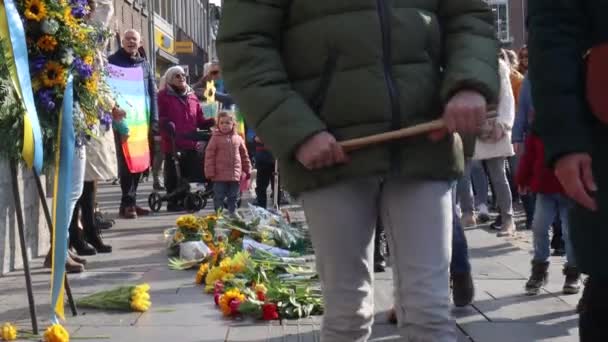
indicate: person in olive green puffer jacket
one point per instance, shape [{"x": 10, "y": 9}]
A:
[{"x": 310, "y": 73}]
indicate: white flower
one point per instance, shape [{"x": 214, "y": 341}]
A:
[
  {"x": 50, "y": 26},
  {"x": 68, "y": 57}
]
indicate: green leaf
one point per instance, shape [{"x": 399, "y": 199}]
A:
[{"x": 178, "y": 264}]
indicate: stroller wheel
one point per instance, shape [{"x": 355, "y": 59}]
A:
[
  {"x": 155, "y": 202},
  {"x": 193, "y": 203}
]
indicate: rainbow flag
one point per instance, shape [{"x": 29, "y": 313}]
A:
[
  {"x": 240, "y": 123},
  {"x": 128, "y": 85}
]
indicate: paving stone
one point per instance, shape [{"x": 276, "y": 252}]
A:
[
  {"x": 155, "y": 334},
  {"x": 509, "y": 303},
  {"x": 522, "y": 332},
  {"x": 274, "y": 333}
]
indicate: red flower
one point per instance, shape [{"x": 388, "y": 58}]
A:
[
  {"x": 234, "y": 307},
  {"x": 261, "y": 296},
  {"x": 269, "y": 312},
  {"x": 219, "y": 287},
  {"x": 216, "y": 299}
]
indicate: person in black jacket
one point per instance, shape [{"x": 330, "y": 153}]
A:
[
  {"x": 128, "y": 56},
  {"x": 566, "y": 37}
]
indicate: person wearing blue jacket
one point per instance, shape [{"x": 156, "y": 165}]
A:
[{"x": 521, "y": 128}]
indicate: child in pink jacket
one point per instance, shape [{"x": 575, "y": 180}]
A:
[{"x": 226, "y": 162}]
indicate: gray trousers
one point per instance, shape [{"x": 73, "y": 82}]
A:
[
  {"x": 417, "y": 217},
  {"x": 498, "y": 176},
  {"x": 473, "y": 175}
]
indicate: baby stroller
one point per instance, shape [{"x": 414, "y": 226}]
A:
[{"x": 183, "y": 194}]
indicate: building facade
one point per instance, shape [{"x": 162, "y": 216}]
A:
[
  {"x": 177, "y": 34},
  {"x": 510, "y": 16}
]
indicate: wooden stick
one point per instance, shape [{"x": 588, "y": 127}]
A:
[{"x": 359, "y": 143}]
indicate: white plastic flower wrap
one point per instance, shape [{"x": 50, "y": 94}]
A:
[{"x": 193, "y": 250}]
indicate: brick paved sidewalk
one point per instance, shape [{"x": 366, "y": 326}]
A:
[{"x": 182, "y": 313}]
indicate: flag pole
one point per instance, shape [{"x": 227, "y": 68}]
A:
[
  {"x": 26, "y": 264},
  {"x": 49, "y": 222}
]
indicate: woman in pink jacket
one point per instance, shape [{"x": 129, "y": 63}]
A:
[{"x": 226, "y": 162}]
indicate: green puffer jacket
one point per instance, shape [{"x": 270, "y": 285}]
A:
[{"x": 356, "y": 68}]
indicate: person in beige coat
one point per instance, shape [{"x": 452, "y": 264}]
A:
[{"x": 493, "y": 146}]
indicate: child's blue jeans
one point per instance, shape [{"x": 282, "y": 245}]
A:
[
  {"x": 547, "y": 207},
  {"x": 226, "y": 191}
]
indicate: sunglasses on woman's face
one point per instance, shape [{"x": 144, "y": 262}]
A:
[
  {"x": 180, "y": 76},
  {"x": 215, "y": 72}
]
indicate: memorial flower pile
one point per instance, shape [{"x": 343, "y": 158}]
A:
[{"x": 256, "y": 268}]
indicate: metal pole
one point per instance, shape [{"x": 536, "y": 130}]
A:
[
  {"x": 49, "y": 223},
  {"x": 277, "y": 186},
  {"x": 26, "y": 263},
  {"x": 151, "y": 40}
]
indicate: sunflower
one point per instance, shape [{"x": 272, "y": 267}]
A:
[
  {"x": 53, "y": 75},
  {"x": 92, "y": 83},
  {"x": 202, "y": 273},
  {"x": 88, "y": 59},
  {"x": 207, "y": 237},
  {"x": 69, "y": 19},
  {"x": 35, "y": 10},
  {"x": 47, "y": 43},
  {"x": 227, "y": 298}
]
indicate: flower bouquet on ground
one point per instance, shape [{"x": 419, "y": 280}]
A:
[
  {"x": 191, "y": 240},
  {"x": 123, "y": 298},
  {"x": 54, "y": 333}
]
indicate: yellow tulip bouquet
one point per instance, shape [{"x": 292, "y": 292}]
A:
[{"x": 123, "y": 298}]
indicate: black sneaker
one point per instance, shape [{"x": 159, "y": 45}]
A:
[
  {"x": 538, "y": 278},
  {"x": 572, "y": 284},
  {"x": 497, "y": 224},
  {"x": 463, "y": 289}
]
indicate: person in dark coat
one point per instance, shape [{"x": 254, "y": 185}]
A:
[
  {"x": 128, "y": 56},
  {"x": 566, "y": 37}
]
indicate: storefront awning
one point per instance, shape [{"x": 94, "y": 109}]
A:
[{"x": 167, "y": 56}]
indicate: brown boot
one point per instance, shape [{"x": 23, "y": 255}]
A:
[
  {"x": 76, "y": 258},
  {"x": 71, "y": 265}
]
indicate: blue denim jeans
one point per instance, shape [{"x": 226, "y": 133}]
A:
[
  {"x": 547, "y": 207},
  {"x": 474, "y": 178},
  {"x": 460, "y": 248},
  {"x": 228, "y": 192}
]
